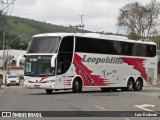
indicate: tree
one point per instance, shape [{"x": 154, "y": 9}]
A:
[
  {"x": 2, "y": 26},
  {"x": 139, "y": 21},
  {"x": 153, "y": 12},
  {"x": 2, "y": 21},
  {"x": 19, "y": 43}
]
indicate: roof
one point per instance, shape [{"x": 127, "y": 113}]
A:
[{"x": 94, "y": 35}]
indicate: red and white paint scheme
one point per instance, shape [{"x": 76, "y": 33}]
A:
[{"x": 63, "y": 61}]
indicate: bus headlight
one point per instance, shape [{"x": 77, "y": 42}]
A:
[{"x": 50, "y": 81}]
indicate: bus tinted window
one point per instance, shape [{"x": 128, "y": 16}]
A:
[
  {"x": 83, "y": 44},
  {"x": 65, "y": 55},
  {"x": 127, "y": 48},
  {"x": 90, "y": 45},
  {"x": 143, "y": 50},
  {"x": 66, "y": 44},
  {"x": 106, "y": 47},
  {"x": 151, "y": 50},
  {"x": 118, "y": 47}
]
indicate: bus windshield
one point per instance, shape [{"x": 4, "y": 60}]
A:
[
  {"x": 44, "y": 45},
  {"x": 38, "y": 66}
]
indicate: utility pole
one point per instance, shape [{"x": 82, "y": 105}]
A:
[
  {"x": 82, "y": 21},
  {"x": 4, "y": 9},
  {"x": 4, "y": 58},
  {"x": 81, "y": 26}
]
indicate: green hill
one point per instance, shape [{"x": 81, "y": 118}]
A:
[
  {"x": 16, "y": 26},
  {"x": 30, "y": 27}
]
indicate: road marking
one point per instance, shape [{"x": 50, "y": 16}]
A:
[
  {"x": 126, "y": 119},
  {"x": 153, "y": 97},
  {"x": 143, "y": 107},
  {"x": 99, "y": 107}
]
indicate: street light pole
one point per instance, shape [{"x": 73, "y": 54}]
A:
[
  {"x": 14, "y": 39},
  {"x": 3, "y": 58},
  {"x": 4, "y": 71}
]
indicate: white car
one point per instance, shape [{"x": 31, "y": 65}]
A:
[{"x": 12, "y": 79}]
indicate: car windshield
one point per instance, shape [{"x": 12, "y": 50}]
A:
[
  {"x": 12, "y": 76},
  {"x": 38, "y": 66}
]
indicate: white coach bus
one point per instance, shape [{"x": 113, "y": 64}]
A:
[{"x": 63, "y": 61}]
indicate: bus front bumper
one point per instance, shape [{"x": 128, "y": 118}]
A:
[{"x": 39, "y": 85}]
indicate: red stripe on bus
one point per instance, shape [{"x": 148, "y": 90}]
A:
[{"x": 88, "y": 78}]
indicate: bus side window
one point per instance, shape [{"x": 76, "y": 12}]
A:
[
  {"x": 60, "y": 68},
  {"x": 65, "y": 55},
  {"x": 118, "y": 47},
  {"x": 127, "y": 49},
  {"x": 137, "y": 50},
  {"x": 151, "y": 50}
]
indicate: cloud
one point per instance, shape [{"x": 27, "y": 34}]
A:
[{"x": 99, "y": 15}]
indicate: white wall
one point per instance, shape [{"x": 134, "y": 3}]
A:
[
  {"x": 12, "y": 52},
  {"x": 15, "y": 71}
]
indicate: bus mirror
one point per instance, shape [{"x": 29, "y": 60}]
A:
[
  {"x": 18, "y": 60},
  {"x": 53, "y": 60}
]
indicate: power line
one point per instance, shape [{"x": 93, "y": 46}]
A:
[
  {"x": 68, "y": 5},
  {"x": 11, "y": 9},
  {"x": 9, "y": 4},
  {"x": 5, "y": 7}
]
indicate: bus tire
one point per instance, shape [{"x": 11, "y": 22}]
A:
[
  {"x": 130, "y": 84},
  {"x": 49, "y": 91},
  {"x": 77, "y": 86},
  {"x": 138, "y": 85}
]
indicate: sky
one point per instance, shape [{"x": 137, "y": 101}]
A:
[{"x": 99, "y": 15}]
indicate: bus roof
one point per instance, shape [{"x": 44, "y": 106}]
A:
[{"x": 94, "y": 35}]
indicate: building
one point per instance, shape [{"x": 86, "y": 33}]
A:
[{"x": 12, "y": 56}]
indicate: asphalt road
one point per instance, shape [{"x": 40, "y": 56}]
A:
[{"x": 17, "y": 98}]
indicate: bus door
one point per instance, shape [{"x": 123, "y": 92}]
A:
[
  {"x": 60, "y": 74},
  {"x": 64, "y": 61},
  {"x": 64, "y": 72}
]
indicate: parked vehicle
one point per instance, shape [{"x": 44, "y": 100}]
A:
[{"x": 12, "y": 79}]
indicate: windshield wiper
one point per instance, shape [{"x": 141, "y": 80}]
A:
[{"x": 47, "y": 74}]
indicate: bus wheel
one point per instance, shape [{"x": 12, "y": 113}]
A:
[
  {"x": 77, "y": 86},
  {"x": 138, "y": 85},
  {"x": 49, "y": 91},
  {"x": 130, "y": 85}
]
